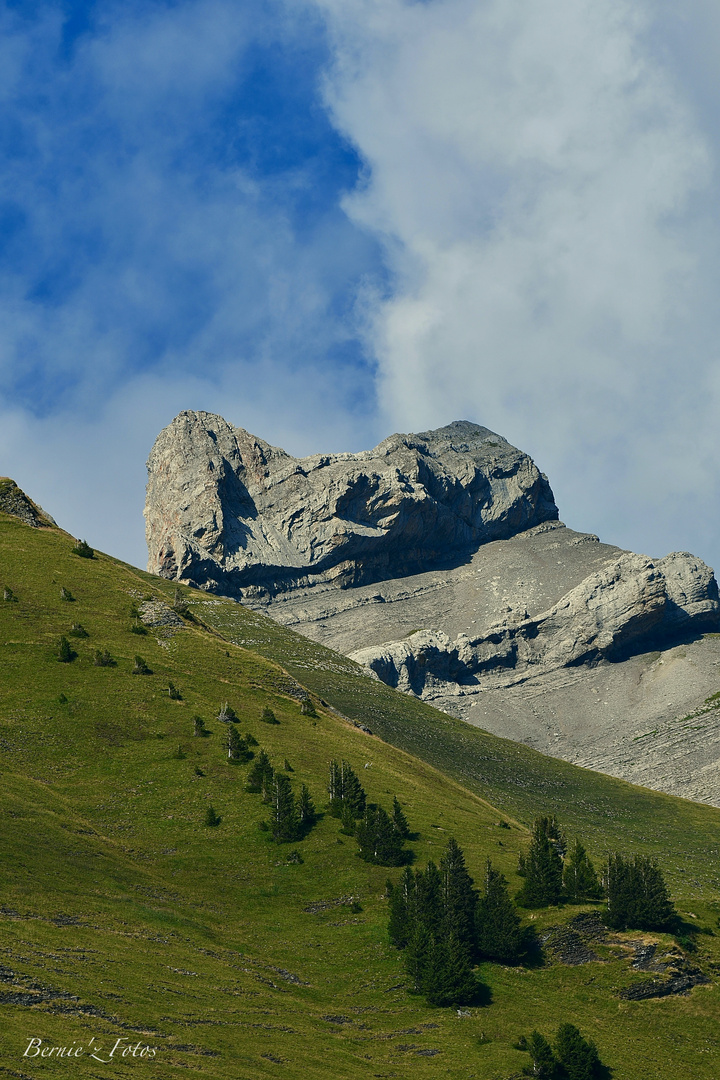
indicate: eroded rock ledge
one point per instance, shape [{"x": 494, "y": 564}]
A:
[{"x": 625, "y": 607}]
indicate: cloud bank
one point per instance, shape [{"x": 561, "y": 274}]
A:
[{"x": 543, "y": 177}]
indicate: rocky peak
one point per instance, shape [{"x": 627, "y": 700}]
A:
[{"x": 227, "y": 511}]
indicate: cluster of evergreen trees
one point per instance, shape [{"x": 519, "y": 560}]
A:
[
  {"x": 637, "y": 896},
  {"x": 381, "y": 836},
  {"x": 444, "y": 927},
  {"x": 552, "y": 873},
  {"x": 290, "y": 817},
  {"x": 571, "y": 1057},
  {"x": 635, "y": 890}
]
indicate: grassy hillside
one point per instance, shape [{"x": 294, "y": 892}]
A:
[{"x": 122, "y": 916}]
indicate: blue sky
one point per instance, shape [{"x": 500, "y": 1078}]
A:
[{"x": 333, "y": 219}]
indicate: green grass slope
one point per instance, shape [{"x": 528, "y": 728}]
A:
[{"x": 122, "y": 917}]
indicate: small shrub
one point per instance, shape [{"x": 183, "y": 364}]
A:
[
  {"x": 83, "y": 549},
  {"x": 179, "y": 753},
  {"x": 227, "y": 714},
  {"x": 141, "y": 667},
  {"x": 198, "y": 771},
  {"x": 65, "y": 594},
  {"x": 307, "y": 708},
  {"x": 199, "y": 729},
  {"x": 211, "y": 817},
  {"x": 138, "y": 628},
  {"x": 173, "y": 693},
  {"x": 9, "y": 595},
  {"x": 269, "y": 717},
  {"x": 78, "y": 630},
  {"x": 62, "y": 699},
  {"x": 294, "y": 857},
  {"x": 65, "y": 652},
  {"x": 102, "y": 658}
]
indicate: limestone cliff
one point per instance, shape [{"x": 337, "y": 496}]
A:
[{"x": 227, "y": 511}]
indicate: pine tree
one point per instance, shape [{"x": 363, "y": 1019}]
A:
[
  {"x": 499, "y": 934},
  {"x": 399, "y": 820},
  {"x": 65, "y": 654},
  {"x": 211, "y": 818},
  {"x": 65, "y": 594},
  {"x": 401, "y": 899},
  {"x": 347, "y": 819},
  {"x": 173, "y": 692},
  {"x": 236, "y": 746},
  {"x": 580, "y": 882},
  {"x": 307, "y": 814},
  {"x": 199, "y": 729},
  {"x": 268, "y": 716},
  {"x": 459, "y": 897},
  {"x": 9, "y": 595},
  {"x": 379, "y": 842},
  {"x": 261, "y": 773},
  {"x": 78, "y": 630},
  {"x": 102, "y": 658},
  {"x": 449, "y": 977},
  {"x": 577, "y": 1056},
  {"x": 227, "y": 714},
  {"x": 637, "y": 896},
  {"x": 83, "y": 549},
  {"x": 344, "y": 787},
  {"x": 141, "y": 667},
  {"x": 284, "y": 817},
  {"x": 544, "y": 1063},
  {"x": 307, "y": 708},
  {"x": 416, "y": 957},
  {"x": 429, "y": 902},
  {"x": 542, "y": 866}
]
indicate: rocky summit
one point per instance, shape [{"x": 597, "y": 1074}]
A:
[
  {"x": 438, "y": 563},
  {"x": 226, "y": 510}
]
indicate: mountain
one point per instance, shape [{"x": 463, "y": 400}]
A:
[
  {"x": 124, "y": 917},
  {"x": 438, "y": 562}
]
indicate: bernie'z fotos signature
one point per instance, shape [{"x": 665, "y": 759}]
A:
[{"x": 122, "y": 1048}]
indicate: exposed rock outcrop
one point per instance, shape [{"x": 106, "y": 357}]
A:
[
  {"x": 626, "y": 607},
  {"x": 230, "y": 513},
  {"x": 13, "y": 500}
]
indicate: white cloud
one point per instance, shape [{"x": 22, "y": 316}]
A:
[{"x": 543, "y": 175}]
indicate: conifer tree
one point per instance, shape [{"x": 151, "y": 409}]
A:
[
  {"x": 236, "y": 746},
  {"x": 261, "y": 773},
  {"x": 416, "y": 957},
  {"x": 199, "y": 729},
  {"x": 577, "y": 1057},
  {"x": 542, "y": 867},
  {"x": 379, "y": 842},
  {"x": 78, "y": 630},
  {"x": 102, "y": 658},
  {"x": 459, "y": 897},
  {"x": 83, "y": 549},
  {"x": 637, "y": 896},
  {"x": 307, "y": 814},
  {"x": 544, "y": 1064},
  {"x": 227, "y": 714},
  {"x": 211, "y": 817},
  {"x": 347, "y": 819},
  {"x": 399, "y": 820},
  {"x": 65, "y": 654},
  {"x": 402, "y": 900},
  {"x": 580, "y": 882},
  {"x": 65, "y": 594},
  {"x": 499, "y": 933},
  {"x": 449, "y": 978},
  {"x": 307, "y": 708},
  {"x": 284, "y": 817},
  {"x": 141, "y": 667},
  {"x": 344, "y": 787},
  {"x": 268, "y": 716},
  {"x": 429, "y": 907}
]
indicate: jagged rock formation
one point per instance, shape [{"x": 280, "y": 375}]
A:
[
  {"x": 227, "y": 511},
  {"x": 623, "y": 608},
  {"x": 437, "y": 561},
  {"x": 13, "y": 500}
]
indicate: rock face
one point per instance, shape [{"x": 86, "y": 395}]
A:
[
  {"x": 622, "y": 609},
  {"x": 13, "y": 500},
  {"x": 228, "y": 512}
]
